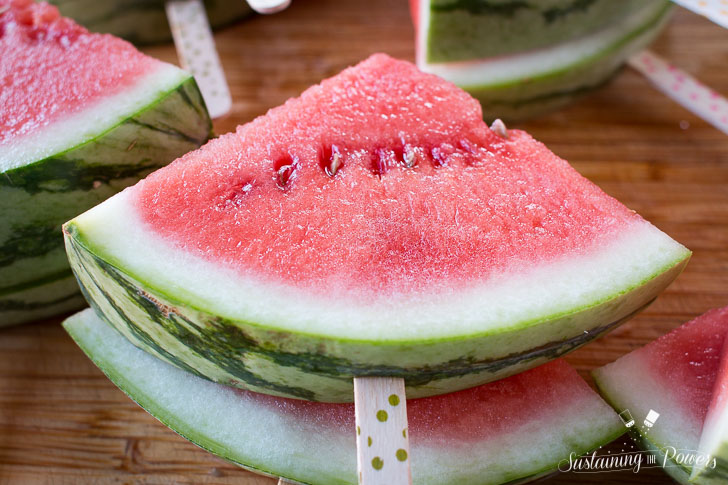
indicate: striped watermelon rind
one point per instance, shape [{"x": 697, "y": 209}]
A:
[
  {"x": 262, "y": 436},
  {"x": 36, "y": 198},
  {"x": 174, "y": 325},
  {"x": 527, "y": 84},
  {"x": 142, "y": 22}
]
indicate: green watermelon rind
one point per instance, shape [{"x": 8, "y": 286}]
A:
[
  {"x": 93, "y": 335},
  {"x": 539, "y": 92},
  {"x": 293, "y": 363},
  {"x": 38, "y": 197},
  {"x": 460, "y": 30}
]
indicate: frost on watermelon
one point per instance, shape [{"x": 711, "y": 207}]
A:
[
  {"x": 373, "y": 226},
  {"x": 83, "y": 116},
  {"x": 508, "y": 431},
  {"x": 142, "y": 21},
  {"x": 676, "y": 376},
  {"x": 521, "y": 59}
]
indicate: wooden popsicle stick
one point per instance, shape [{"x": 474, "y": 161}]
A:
[
  {"x": 382, "y": 437},
  {"x": 683, "y": 88},
  {"x": 268, "y": 6},
  {"x": 196, "y": 50},
  {"x": 714, "y": 10}
]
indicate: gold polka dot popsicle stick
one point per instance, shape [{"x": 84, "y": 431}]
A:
[
  {"x": 197, "y": 54},
  {"x": 382, "y": 442}
]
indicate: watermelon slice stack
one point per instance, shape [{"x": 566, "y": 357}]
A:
[
  {"x": 83, "y": 116},
  {"x": 522, "y": 59},
  {"x": 681, "y": 377}
]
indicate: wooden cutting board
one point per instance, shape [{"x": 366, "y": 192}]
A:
[{"x": 63, "y": 422}]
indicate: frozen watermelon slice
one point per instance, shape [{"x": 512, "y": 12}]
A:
[
  {"x": 524, "y": 58},
  {"x": 504, "y": 432},
  {"x": 675, "y": 378},
  {"x": 373, "y": 226},
  {"x": 83, "y": 115},
  {"x": 142, "y": 21}
]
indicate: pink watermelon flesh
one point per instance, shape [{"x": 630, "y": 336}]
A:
[
  {"x": 674, "y": 375},
  {"x": 51, "y": 67},
  {"x": 472, "y": 206},
  {"x": 463, "y": 417}
]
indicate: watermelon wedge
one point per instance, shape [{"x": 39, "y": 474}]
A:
[
  {"x": 522, "y": 59},
  {"x": 373, "y": 226},
  {"x": 714, "y": 435},
  {"x": 143, "y": 21},
  {"x": 83, "y": 116},
  {"x": 675, "y": 376},
  {"x": 508, "y": 431}
]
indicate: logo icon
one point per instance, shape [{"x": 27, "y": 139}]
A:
[
  {"x": 627, "y": 418},
  {"x": 651, "y": 418}
]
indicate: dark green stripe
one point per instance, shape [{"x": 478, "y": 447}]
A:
[
  {"x": 66, "y": 175},
  {"x": 227, "y": 357},
  {"x": 509, "y": 9},
  {"x": 15, "y": 305},
  {"x": 56, "y": 276},
  {"x": 30, "y": 241}
]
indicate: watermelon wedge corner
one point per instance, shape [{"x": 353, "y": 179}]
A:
[
  {"x": 714, "y": 435},
  {"x": 373, "y": 226},
  {"x": 83, "y": 116},
  {"x": 508, "y": 431},
  {"x": 143, "y": 21},
  {"x": 676, "y": 376},
  {"x": 522, "y": 59}
]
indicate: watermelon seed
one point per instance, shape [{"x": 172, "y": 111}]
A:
[
  {"x": 382, "y": 415},
  {"x": 284, "y": 174},
  {"x": 393, "y": 399},
  {"x": 410, "y": 157},
  {"x": 401, "y": 454},
  {"x": 499, "y": 128},
  {"x": 377, "y": 463},
  {"x": 369, "y": 440},
  {"x": 335, "y": 161}
]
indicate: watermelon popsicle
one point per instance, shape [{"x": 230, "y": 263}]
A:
[
  {"x": 513, "y": 430},
  {"x": 374, "y": 226},
  {"x": 83, "y": 116}
]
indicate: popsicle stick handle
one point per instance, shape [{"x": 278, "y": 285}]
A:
[
  {"x": 715, "y": 10},
  {"x": 683, "y": 88},
  {"x": 268, "y": 6},
  {"x": 196, "y": 50},
  {"x": 382, "y": 437}
]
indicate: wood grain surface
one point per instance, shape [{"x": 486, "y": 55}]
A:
[{"x": 63, "y": 422}]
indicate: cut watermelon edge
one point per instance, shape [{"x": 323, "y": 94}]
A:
[
  {"x": 93, "y": 122},
  {"x": 499, "y": 71},
  {"x": 289, "y": 363},
  {"x": 115, "y": 357}
]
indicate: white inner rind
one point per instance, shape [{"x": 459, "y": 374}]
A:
[
  {"x": 84, "y": 125},
  {"x": 629, "y": 383},
  {"x": 500, "y": 70},
  {"x": 262, "y": 435},
  {"x": 116, "y": 232}
]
